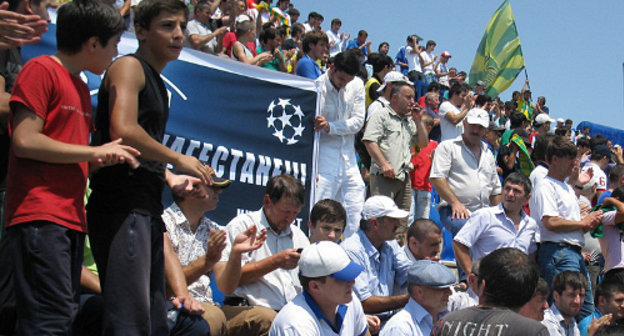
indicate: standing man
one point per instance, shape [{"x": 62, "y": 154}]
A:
[
  {"x": 504, "y": 225},
  {"x": 599, "y": 161},
  {"x": 361, "y": 43},
  {"x": 341, "y": 117},
  {"x": 124, "y": 209},
  {"x": 314, "y": 47},
  {"x": 554, "y": 206},
  {"x": 326, "y": 306},
  {"x": 385, "y": 265},
  {"x": 388, "y": 139},
  {"x": 336, "y": 40},
  {"x": 508, "y": 279},
  {"x": 427, "y": 62},
  {"x": 568, "y": 293},
  {"x": 453, "y": 111},
  {"x": 429, "y": 288}
]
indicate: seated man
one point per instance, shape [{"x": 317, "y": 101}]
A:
[
  {"x": 198, "y": 243},
  {"x": 429, "y": 288},
  {"x": 424, "y": 238},
  {"x": 269, "y": 275},
  {"x": 326, "y": 306},
  {"x": 609, "y": 300},
  {"x": 203, "y": 33},
  {"x": 470, "y": 298},
  {"x": 385, "y": 265},
  {"x": 504, "y": 225},
  {"x": 535, "y": 308},
  {"x": 568, "y": 293}
]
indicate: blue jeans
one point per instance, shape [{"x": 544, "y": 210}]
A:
[
  {"x": 421, "y": 201},
  {"x": 453, "y": 226},
  {"x": 553, "y": 259}
]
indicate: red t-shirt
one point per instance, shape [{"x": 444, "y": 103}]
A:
[
  {"x": 39, "y": 190},
  {"x": 228, "y": 41},
  {"x": 422, "y": 167}
]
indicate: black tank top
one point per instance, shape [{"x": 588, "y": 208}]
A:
[{"x": 119, "y": 188}]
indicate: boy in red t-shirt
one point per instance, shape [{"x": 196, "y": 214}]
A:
[
  {"x": 49, "y": 163},
  {"x": 421, "y": 187}
]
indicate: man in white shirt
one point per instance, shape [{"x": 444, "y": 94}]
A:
[
  {"x": 336, "y": 40},
  {"x": 429, "y": 288},
  {"x": 555, "y": 207},
  {"x": 453, "y": 111},
  {"x": 568, "y": 293},
  {"x": 201, "y": 32},
  {"x": 341, "y": 117},
  {"x": 504, "y": 225},
  {"x": 268, "y": 276},
  {"x": 326, "y": 306},
  {"x": 427, "y": 60},
  {"x": 314, "y": 22},
  {"x": 599, "y": 161}
]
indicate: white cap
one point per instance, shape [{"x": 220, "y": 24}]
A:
[
  {"x": 382, "y": 206},
  {"x": 478, "y": 116},
  {"x": 560, "y": 120},
  {"x": 543, "y": 118},
  {"x": 394, "y": 76},
  {"x": 242, "y": 18},
  {"x": 326, "y": 258}
]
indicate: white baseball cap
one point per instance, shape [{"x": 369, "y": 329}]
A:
[
  {"x": 478, "y": 116},
  {"x": 382, "y": 206},
  {"x": 392, "y": 77},
  {"x": 543, "y": 118},
  {"x": 326, "y": 258}
]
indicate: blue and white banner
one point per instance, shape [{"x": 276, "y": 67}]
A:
[{"x": 247, "y": 122}]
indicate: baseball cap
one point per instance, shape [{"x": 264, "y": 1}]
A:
[
  {"x": 446, "y": 54},
  {"x": 392, "y": 77},
  {"x": 326, "y": 258},
  {"x": 382, "y": 206},
  {"x": 560, "y": 120},
  {"x": 430, "y": 273},
  {"x": 480, "y": 82},
  {"x": 478, "y": 116},
  {"x": 543, "y": 118}
]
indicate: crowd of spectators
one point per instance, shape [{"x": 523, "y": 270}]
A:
[{"x": 533, "y": 208}]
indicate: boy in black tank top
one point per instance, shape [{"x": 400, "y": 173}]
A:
[{"x": 124, "y": 209}]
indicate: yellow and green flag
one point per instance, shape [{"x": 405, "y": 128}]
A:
[{"x": 499, "y": 57}]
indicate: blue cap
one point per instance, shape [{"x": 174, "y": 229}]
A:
[
  {"x": 430, "y": 273},
  {"x": 327, "y": 258}
]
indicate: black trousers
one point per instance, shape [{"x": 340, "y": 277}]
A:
[
  {"x": 47, "y": 260},
  {"x": 128, "y": 250}
]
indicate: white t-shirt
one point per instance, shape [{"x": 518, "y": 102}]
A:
[
  {"x": 427, "y": 57},
  {"x": 600, "y": 178},
  {"x": 302, "y": 316},
  {"x": 413, "y": 61},
  {"x": 195, "y": 27},
  {"x": 448, "y": 130},
  {"x": 556, "y": 199}
]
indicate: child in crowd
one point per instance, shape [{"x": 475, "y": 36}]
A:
[{"x": 49, "y": 164}]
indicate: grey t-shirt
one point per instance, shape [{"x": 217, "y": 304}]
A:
[{"x": 487, "y": 322}]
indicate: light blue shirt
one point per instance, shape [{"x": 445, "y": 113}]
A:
[
  {"x": 583, "y": 325},
  {"x": 385, "y": 270},
  {"x": 490, "y": 229},
  {"x": 413, "y": 320}
]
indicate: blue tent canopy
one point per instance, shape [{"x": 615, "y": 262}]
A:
[{"x": 615, "y": 135}]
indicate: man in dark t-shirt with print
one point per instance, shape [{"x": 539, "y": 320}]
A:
[{"x": 509, "y": 279}]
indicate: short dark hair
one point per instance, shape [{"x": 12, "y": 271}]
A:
[
  {"x": 293, "y": 11},
  {"x": 421, "y": 228},
  {"x": 434, "y": 86},
  {"x": 616, "y": 173},
  {"x": 560, "y": 147},
  {"x": 583, "y": 142},
  {"x": 482, "y": 100},
  {"x": 362, "y": 33},
  {"x": 541, "y": 145},
  {"x": 305, "y": 281},
  {"x": 541, "y": 288},
  {"x": 510, "y": 277},
  {"x": 610, "y": 330},
  {"x": 297, "y": 28},
  {"x": 147, "y": 10},
  {"x": 200, "y": 6},
  {"x": 573, "y": 279},
  {"x": 315, "y": 15},
  {"x": 77, "y": 21},
  {"x": 618, "y": 193},
  {"x": 456, "y": 89},
  {"x": 313, "y": 37},
  {"x": 336, "y": 21},
  {"x": 431, "y": 43},
  {"x": 517, "y": 119},
  {"x": 597, "y": 140},
  {"x": 569, "y": 122},
  {"x": 329, "y": 211},
  {"x": 378, "y": 61},
  {"x": 521, "y": 179},
  {"x": 608, "y": 288},
  {"x": 267, "y": 34},
  {"x": 383, "y": 44},
  {"x": 347, "y": 62},
  {"x": 285, "y": 186}
]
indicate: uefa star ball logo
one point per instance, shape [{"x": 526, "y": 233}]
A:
[{"x": 286, "y": 121}]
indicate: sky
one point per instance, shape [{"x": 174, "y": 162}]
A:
[{"x": 573, "y": 49}]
